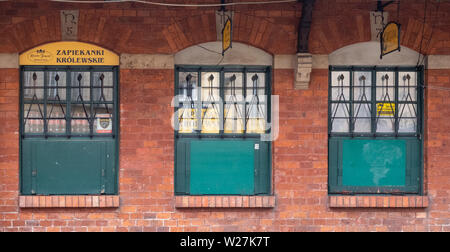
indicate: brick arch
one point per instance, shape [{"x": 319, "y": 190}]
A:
[
  {"x": 30, "y": 32},
  {"x": 328, "y": 35},
  {"x": 147, "y": 34},
  {"x": 259, "y": 32}
]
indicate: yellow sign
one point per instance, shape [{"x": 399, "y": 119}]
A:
[
  {"x": 69, "y": 53},
  {"x": 226, "y": 36},
  {"x": 385, "y": 109},
  {"x": 390, "y": 39}
]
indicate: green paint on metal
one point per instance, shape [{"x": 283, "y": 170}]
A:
[
  {"x": 61, "y": 167},
  {"x": 222, "y": 167},
  {"x": 374, "y": 162}
]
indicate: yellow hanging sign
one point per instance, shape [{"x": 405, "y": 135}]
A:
[
  {"x": 69, "y": 53},
  {"x": 226, "y": 36},
  {"x": 390, "y": 39}
]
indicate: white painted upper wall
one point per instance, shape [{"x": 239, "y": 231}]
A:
[
  {"x": 239, "y": 54},
  {"x": 368, "y": 54}
]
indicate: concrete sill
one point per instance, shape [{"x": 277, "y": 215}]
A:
[
  {"x": 224, "y": 201},
  {"x": 378, "y": 201},
  {"x": 70, "y": 201}
]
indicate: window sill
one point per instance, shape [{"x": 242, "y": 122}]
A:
[
  {"x": 224, "y": 201},
  {"x": 69, "y": 201},
  {"x": 378, "y": 201}
]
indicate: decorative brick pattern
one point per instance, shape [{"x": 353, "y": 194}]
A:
[
  {"x": 225, "y": 201},
  {"x": 378, "y": 201},
  {"x": 75, "y": 201}
]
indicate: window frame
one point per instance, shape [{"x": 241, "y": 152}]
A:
[
  {"x": 222, "y": 70},
  {"x": 335, "y": 151},
  {"x": 263, "y": 163},
  {"x": 109, "y": 182},
  {"x": 68, "y": 102}
]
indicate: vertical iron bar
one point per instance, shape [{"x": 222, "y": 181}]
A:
[
  {"x": 396, "y": 119},
  {"x": 222, "y": 102},
  {"x": 91, "y": 98},
  {"x": 244, "y": 117},
  {"x": 68, "y": 102},
  {"x": 199, "y": 101},
  {"x": 45, "y": 129}
]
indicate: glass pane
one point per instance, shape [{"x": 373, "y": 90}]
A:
[
  {"x": 362, "y": 89},
  {"x": 80, "y": 79},
  {"x": 80, "y": 126},
  {"x": 407, "y": 90},
  {"x": 340, "y": 79},
  {"x": 362, "y": 110},
  {"x": 80, "y": 116},
  {"x": 385, "y": 125},
  {"x": 233, "y": 85},
  {"x": 56, "y": 126},
  {"x": 210, "y": 118},
  {"x": 363, "y": 125},
  {"x": 56, "y": 110},
  {"x": 33, "y": 119},
  {"x": 187, "y": 86},
  {"x": 211, "y": 102},
  {"x": 256, "y": 118},
  {"x": 187, "y": 120},
  {"x": 102, "y": 94},
  {"x": 105, "y": 77},
  {"x": 81, "y": 94},
  {"x": 56, "y": 90},
  {"x": 256, "y": 87},
  {"x": 407, "y": 125},
  {"x": 340, "y": 125},
  {"x": 340, "y": 94},
  {"x": 385, "y": 86},
  {"x": 234, "y": 118},
  {"x": 103, "y": 86},
  {"x": 407, "y": 110},
  {"x": 407, "y": 114},
  {"x": 210, "y": 87},
  {"x": 103, "y": 109},
  {"x": 33, "y": 83},
  {"x": 340, "y": 110}
]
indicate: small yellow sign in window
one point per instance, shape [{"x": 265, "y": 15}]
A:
[{"x": 385, "y": 109}]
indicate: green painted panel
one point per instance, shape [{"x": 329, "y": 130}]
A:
[
  {"x": 373, "y": 162},
  {"x": 222, "y": 167},
  {"x": 70, "y": 166}
]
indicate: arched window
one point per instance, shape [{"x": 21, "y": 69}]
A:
[
  {"x": 375, "y": 121},
  {"x": 222, "y": 112},
  {"x": 69, "y": 120}
]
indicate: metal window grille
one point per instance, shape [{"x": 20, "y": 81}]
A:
[
  {"x": 222, "y": 101},
  {"x": 68, "y": 102},
  {"x": 375, "y": 101}
]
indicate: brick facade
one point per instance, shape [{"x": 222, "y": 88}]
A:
[{"x": 300, "y": 157}]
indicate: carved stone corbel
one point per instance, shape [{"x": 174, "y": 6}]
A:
[{"x": 303, "y": 70}]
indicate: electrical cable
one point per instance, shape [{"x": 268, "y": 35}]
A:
[{"x": 177, "y": 5}]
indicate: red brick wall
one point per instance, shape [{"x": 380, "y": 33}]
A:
[{"x": 300, "y": 156}]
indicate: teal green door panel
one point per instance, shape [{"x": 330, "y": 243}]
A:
[
  {"x": 374, "y": 162},
  {"x": 358, "y": 165},
  {"x": 222, "y": 167},
  {"x": 68, "y": 166},
  {"x": 262, "y": 172}
]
